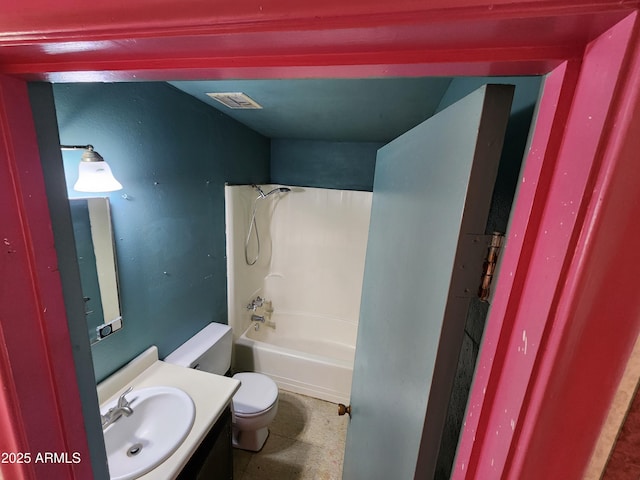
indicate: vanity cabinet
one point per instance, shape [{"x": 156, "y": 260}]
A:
[{"x": 213, "y": 460}]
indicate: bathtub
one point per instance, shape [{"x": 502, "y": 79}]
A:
[{"x": 307, "y": 354}]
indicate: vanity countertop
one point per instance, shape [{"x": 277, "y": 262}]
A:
[{"x": 210, "y": 394}]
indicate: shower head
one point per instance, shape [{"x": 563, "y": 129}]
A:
[
  {"x": 265, "y": 195},
  {"x": 279, "y": 190}
]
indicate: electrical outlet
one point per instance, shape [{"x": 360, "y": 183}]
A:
[{"x": 108, "y": 328}]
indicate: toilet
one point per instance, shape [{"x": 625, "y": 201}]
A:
[{"x": 255, "y": 404}]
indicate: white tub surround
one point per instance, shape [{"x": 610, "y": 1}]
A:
[
  {"x": 311, "y": 266},
  {"x": 210, "y": 394},
  {"x": 245, "y": 282}
]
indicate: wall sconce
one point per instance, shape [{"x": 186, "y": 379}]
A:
[{"x": 94, "y": 174}]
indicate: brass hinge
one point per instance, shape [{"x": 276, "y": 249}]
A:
[{"x": 490, "y": 265}]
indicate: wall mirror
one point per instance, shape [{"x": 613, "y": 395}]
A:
[{"x": 96, "y": 254}]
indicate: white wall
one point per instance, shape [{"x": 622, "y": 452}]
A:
[{"x": 313, "y": 244}]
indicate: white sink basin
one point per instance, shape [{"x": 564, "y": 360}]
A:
[{"x": 162, "y": 418}]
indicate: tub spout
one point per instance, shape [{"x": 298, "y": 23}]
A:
[{"x": 257, "y": 318}]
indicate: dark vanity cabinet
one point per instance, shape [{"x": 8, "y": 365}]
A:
[{"x": 213, "y": 460}]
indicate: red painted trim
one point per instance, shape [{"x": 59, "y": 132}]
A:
[
  {"x": 12, "y": 437},
  {"x": 315, "y": 39},
  {"x": 410, "y": 63},
  {"x": 106, "y": 41},
  {"x": 531, "y": 197},
  {"x": 527, "y": 332},
  {"x": 597, "y": 317},
  {"x": 36, "y": 351},
  {"x": 38, "y": 21}
]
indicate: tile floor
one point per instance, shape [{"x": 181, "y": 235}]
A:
[{"x": 306, "y": 442}]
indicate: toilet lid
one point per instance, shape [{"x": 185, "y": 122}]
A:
[{"x": 257, "y": 393}]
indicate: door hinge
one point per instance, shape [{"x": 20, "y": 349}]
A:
[{"x": 490, "y": 265}]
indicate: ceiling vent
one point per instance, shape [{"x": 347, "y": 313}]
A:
[{"x": 236, "y": 100}]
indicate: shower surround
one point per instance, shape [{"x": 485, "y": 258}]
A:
[{"x": 311, "y": 264}]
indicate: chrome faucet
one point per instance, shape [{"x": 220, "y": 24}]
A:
[
  {"x": 123, "y": 407},
  {"x": 255, "y": 303},
  {"x": 262, "y": 310}
]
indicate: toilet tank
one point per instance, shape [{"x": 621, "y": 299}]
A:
[{"x": 208, "y": 350}]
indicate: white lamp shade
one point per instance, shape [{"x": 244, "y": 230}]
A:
[{"x": 96, "y": 177}]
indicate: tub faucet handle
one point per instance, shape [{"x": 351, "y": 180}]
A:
[{"x": 255, "y": 303}]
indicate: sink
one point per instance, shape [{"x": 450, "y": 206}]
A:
[{"x": 162, "y": 418}]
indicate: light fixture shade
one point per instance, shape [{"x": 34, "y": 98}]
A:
[{"x": 96, "y": 177}]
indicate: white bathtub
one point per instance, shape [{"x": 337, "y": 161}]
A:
[{"x": 307, "y": 354}]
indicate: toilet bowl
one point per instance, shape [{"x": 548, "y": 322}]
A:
[{"x": 255, "y": 404}]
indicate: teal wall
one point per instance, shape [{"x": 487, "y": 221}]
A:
[
  {"x": 351, "y": 165},
  {"x": 314, "y": 163},
  {"x": 173, "y": 154}
]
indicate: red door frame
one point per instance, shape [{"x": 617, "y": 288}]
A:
[
  {"x": 565, "y": 314},
  {"x": 39, "y": 402}
]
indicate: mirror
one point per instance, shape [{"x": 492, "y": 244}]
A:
[{"x": 97, "y": 263}]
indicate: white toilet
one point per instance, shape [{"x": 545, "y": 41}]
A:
[{"x": 255, "y": 404}]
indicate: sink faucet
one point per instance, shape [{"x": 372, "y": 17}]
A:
[{"x": 122, "y": 408}]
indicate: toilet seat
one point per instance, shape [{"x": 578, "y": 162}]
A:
[{"x": 257, "y": 394}]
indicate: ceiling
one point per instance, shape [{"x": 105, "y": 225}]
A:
[{"x": 338, "y": 110}]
